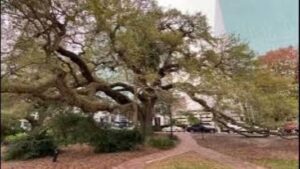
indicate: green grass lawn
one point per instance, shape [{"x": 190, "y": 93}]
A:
[
  {"x": 279, "y": 163},
  {"x": 189, "y": 160}
]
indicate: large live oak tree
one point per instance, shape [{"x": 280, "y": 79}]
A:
[{"x": 65, "y": 51}]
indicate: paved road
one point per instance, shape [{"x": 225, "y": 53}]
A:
[{"x": 187, "y": 144}]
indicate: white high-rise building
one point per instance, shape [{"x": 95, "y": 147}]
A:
[{"x": 210, "y": 8}]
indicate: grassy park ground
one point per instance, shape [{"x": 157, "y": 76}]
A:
[{"x": 272, "y": 152}]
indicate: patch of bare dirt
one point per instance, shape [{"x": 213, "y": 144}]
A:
[
  {"x": 79, "y": 157},
  {"x": 251, "y": 149}
]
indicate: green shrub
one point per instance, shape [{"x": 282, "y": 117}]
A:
[
  {"x": 30, "y": 146},
  {"x": 162, "y": 141},
  {"x": 9, "y": 126},
  {"x": 111, "y": 140},
  {"x": 70, "y": 128},
  {"x": 14, "y": 138}
]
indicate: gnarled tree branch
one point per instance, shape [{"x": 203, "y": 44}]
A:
[{"x": 79, "y": 62}]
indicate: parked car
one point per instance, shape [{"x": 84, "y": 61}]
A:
[
  {"x": 224, "y": 129},
  {"x": 238, "y": 128},
  {"x": 122, "y": 125},
  {"x": 174, "y": 128},
  {"x": 202, "y": 127},
  {"x": 122, "y": 128},
  {"x": 290, "y": 127}
]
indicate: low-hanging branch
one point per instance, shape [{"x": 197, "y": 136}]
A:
[
  {"x": 79, "y": 62},
  {"x": 224, "y": 120},
  {"x": 72, "y": 98}
]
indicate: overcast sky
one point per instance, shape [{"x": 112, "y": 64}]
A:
[
  {"x": 206, "y": 7},
  {"x": 264, "y": 24}
]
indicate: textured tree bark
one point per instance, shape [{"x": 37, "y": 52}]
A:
[
  {"x": 135, "y": 112},
  {"x": 171, "y": 120},
  {"x": 146, "y": 118}
]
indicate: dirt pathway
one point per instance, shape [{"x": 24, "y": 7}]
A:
[{"x": 187, "y": 143}]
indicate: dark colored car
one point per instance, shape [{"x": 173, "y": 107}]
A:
[{"x": 201, "y": 128}]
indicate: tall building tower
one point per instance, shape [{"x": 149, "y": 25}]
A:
[
  {"x": 219, "y": 27},
  {"x": 264, "y": 24}
]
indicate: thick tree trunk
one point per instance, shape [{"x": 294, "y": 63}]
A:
[
  {"x": 146, "y": 118},
  {"x": 171, "y": 120},
  {"x": 135, "y": 107}
]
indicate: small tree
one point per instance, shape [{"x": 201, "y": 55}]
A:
[{"x": 282, "y": 61}]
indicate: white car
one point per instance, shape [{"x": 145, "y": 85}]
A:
[
  {"x": 174, "y": 128},
  {"x": 238, "y": 128},
  {"x": 208, "y": 125}
]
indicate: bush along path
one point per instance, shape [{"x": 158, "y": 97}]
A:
[{"x": 187, "y": 144}]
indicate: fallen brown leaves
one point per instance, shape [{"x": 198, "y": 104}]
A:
[
  {"x": 251, "y": 149},
  {"x": 79, "y": 157}
]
